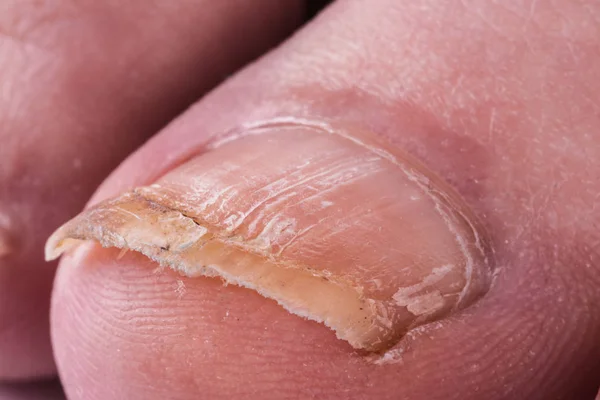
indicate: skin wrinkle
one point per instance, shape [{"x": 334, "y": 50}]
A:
[
  {"x": 200, "y": 384},
  {"x": 7, "y": 37},
  {"x": 522, "y": 329},
  {"x": 22, "y": 27}
]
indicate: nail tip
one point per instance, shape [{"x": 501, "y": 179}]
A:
[{"x": 51, "y": 248}]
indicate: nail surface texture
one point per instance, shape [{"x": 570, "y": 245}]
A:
[{"x": 333, "y": 224}]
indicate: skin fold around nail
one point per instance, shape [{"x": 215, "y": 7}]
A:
[{"x": 331, "y": 223}]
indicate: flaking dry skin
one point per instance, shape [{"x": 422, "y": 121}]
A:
[{"x": 332, "y": 230}]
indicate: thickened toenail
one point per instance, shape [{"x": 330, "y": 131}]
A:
[{"x": 335, "y": 225}]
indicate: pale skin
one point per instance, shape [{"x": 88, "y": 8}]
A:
[{"x": 501, "y": 100}]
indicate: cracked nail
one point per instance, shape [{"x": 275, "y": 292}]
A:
[{"x": 332, "y": 224}]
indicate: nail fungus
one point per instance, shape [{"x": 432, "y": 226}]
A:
[{"x": 333, "y": 224}]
